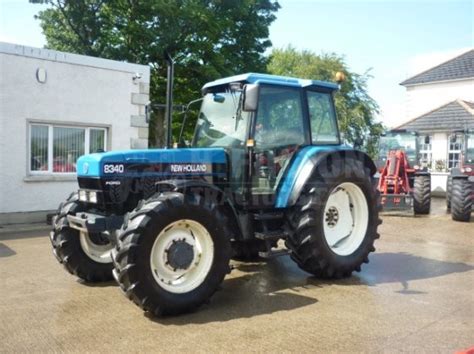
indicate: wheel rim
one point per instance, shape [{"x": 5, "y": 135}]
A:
[
  {"x": 182, "y": 256},
  {"x": 97, "y": 250},
  {"x": 345, "y": 219}
]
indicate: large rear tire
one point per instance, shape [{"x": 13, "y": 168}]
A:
[
  {"x": 86, "y": 256},
  {"x": 333, "y": 227},
  {"x": 461, "y": 199},
  {"x": 173, "y": 253},
  {"x": 449, "y": 187},
  {"x": 422, "y": 195}
]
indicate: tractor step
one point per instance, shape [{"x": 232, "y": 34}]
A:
[
  {"x": 275, "y": 253},
  {"x": 271, "y": 235},
  {"x": 268, "y": 216}
]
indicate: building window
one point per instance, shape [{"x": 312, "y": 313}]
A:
[
  {"x": 426, "y": 151},
  {"x": 55, "y": 149},
  {"x": 455, "y": 144}
]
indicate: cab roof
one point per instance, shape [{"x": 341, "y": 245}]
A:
[{"x": 253, "y": 78}]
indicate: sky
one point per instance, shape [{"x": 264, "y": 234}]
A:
[{"x": 392, "y": 39}]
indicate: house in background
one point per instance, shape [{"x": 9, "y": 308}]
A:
[
  {"x": 440, "y": 101},
  {"x": 55, "y": 107}
]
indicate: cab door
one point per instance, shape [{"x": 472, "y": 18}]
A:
[{"x": 279, "y": 130}]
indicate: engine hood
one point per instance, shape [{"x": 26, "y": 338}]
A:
[{"x": 199, "y": 161}]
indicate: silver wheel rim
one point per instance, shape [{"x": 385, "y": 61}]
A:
[
  {"x": 96, "y": 252},
  {"x": 195, "y": 236},
  {"x": 345, "y": 219}
]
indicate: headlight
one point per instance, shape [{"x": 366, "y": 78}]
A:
[
  {"x": 88, "y": 196},
  {"x": 93, "y": 197},
  {"x": 468, "y": 169},
  {"x": 82, "y": 195},
  {"x": 416, "y": 167}
]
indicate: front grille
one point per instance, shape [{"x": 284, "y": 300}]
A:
[{"x": 90, "y": 183}]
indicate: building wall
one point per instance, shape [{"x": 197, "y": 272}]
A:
[
  {"x": 421, "y": 99},
  {"x": 78, "y": 90},
  {"x": 439, "y": 147}
]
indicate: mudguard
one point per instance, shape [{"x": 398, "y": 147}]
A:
[{"x": 305, "y": 163}]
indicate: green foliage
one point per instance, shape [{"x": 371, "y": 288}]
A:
[
  {"x": 207, "y": 38},
  {"x": 355, "y": 108}
]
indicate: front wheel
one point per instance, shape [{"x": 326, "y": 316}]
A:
[
  {"x": 422, "y": 195},
  {"x": 87, "y": 256},
  {"x": 173, "y": 253},
  {"x": 334, "y": 225}
]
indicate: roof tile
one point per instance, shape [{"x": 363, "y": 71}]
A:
[
  {"x": 449, "y": 117},
  {"x": 460, "y": 67}
]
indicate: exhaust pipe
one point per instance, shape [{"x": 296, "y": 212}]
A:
[{"x": 169, "y": 100}]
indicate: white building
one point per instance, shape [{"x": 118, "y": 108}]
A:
[
  {"x": 440, "y": 101},
  {"x": 55, "y": 107}
]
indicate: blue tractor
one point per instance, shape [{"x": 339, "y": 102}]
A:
[{"x": 266, "y": 164}]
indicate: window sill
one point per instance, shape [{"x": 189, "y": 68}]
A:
[{"x": 50, "y": 178}]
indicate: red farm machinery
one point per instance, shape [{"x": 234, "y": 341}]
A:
[
  {"x": 460, "y": 184},
  {"x": 403, "y": 182}
]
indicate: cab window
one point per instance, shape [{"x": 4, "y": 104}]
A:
[
  {"x": 322, "y": 118},
  {"x": 278, "y": 132},
  {"x": 280, "y": 118}
]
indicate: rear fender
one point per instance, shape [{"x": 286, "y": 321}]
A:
[{"x": 305, "y": 164}]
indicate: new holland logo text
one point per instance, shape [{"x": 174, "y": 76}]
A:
[{"x": 188, "y": 168}]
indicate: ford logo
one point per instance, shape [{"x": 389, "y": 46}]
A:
[{"x": 85, "y": 168}]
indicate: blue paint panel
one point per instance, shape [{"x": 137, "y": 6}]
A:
[
  {"x": 92, "y": 165},
  {"x": 253, "y": 78},
  {"x": 297, "y": 166}
]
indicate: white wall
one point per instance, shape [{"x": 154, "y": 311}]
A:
[
  {"x": 73, "y": 93},
  {"x": 439, "y": 147},
  {"x": 421, "y": 99}
]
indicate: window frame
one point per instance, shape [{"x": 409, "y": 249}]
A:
[
  {"x": 459, "y": 152},
  {"x": 429, "y": 151},
  {"x": 304, "y": 112},
  {"x": 51, "y": 126},
  {"x": 308, "y": 117}
]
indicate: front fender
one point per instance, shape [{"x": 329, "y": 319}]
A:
[{"x": 305, "y": 163}]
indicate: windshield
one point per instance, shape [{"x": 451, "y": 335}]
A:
[
  {"x": 221, "y": 122},
  {"x": 470, "y": 150},
  {"x": 405, "y": 142}
]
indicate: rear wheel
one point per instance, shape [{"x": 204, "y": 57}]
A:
[
  {"x": 334, "y": 224},
  {"x": 461, "y": 199},
  {"x": 173, "y": 253},
  {"x": 449, "y": 186},
  {"x": 422, "y": 195},
  {"x": 85, "y": 255}
]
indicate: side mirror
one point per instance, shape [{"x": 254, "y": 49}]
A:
[
  {"x": 250, "y": 102},
  {"x": 218, "y": 98}
]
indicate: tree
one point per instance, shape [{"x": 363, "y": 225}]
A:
[
  {"x": 207, "y": 38},
  {"x": 356, "y": 110}
]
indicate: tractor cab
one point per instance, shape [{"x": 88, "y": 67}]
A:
[
  {"x": 467, "y": 160},
  {"x": 262, "y": 121},
  {"x": 399, "y": 140}
]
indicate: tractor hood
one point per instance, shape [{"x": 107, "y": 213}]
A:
[{"x": 153, "y": 162}]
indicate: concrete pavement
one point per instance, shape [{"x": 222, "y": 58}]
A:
[{"x": 416, "y": 294}]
